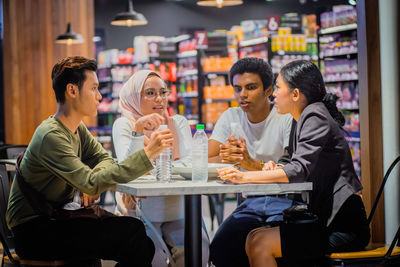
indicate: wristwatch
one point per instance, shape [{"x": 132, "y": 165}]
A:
[{"x": 136, "y": 134}]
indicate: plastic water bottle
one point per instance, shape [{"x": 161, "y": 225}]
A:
[
  {"x": 200, "y": 155},
  {"x": 163, "y": 163}
]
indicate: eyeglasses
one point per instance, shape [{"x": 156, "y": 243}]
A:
[{"x": 152, "y": 94}]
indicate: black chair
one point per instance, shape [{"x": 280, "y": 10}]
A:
[
  {"x": 11, "y": 151},
  {"x": 388, "y": 255},
  {"x": 10, "y": 258}
]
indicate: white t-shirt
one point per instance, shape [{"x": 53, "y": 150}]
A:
[
  {"x": 265, "y": 140},
  {"x": 156, "y": 209}
]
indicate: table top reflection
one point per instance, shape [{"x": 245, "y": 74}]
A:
[{"x": 148, "y": 186}]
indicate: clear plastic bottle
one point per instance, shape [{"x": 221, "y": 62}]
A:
[
  {"x": 200, "y": 155},
  {"x": 163, "y": 163}
]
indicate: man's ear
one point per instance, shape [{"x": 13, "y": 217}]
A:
[
  {"x": 71, "y": 91},
  {"x": 268, "y": 91}
]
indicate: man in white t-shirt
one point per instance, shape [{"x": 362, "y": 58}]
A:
[
  {"x": 265, "y": 132},
  {"x": 248, "y": 136}
]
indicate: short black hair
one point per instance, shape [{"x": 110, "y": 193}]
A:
[
  {"x": 70, "y": 70},
  {"x": 253, "y": 65}
]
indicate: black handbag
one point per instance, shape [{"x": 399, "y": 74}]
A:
[{"x": 299, "y": 214}]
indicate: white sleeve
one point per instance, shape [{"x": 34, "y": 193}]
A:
[
  {"x": 222, "y": 129},
  {"x": 286, "y": 128},
  {"x": 124, "y": 143},
  {"x": 185, "y": 137}
]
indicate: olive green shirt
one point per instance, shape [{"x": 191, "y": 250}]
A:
[{"x": 58, "y": 162}]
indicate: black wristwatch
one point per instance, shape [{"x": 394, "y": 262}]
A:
[{"x": 136, "y": 134}]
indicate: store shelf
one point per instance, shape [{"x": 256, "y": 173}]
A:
[
  {"x": 106, "y": 80},
  {"x": 192, "y": 116},
  {"x": 212, "y": 100},
  {"x": 102, "y": 129},
  {"x": 321, "y": 40},
  {"x": 102, "y": 67},
  {"x": 216, "y": 72},
  {"x": 191, "y": 53},
  {"x": 349, "y": 109},
  {"x": 255, "y": 41},
  {"x": 353, "y": 136},
  {"x": 344, "y": 80},
  {"x": 104, "y": 138},
  {"x": 340, "y": 28},
  {"x": 340, "y": 54},
  {"x": 189, "y": 94},
  {"x": 187, "y": 73},
  {"x": 131, "y": 64},
  {"x": 292, "y": 53}
]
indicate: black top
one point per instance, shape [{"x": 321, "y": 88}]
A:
[{"x": 321, "y": 155}]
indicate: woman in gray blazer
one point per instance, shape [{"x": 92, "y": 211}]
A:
[{"x": 320, "y": 154}]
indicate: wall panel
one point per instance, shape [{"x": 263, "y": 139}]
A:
[{"x": 30, "y": 51}]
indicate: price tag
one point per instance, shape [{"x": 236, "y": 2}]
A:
[
  {"x": 201, "y": 39},
  {"x": 153, "y": 49},
  {"x": 273, "y": 23}
]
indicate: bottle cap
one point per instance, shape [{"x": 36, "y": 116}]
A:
[
  {"x": 200, "y": 126},
  {"x": 163, "y": 127}
]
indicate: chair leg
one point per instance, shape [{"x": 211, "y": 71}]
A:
[
  {"x": 211, "y": 204},
  {"x": 220, "y": 208}
]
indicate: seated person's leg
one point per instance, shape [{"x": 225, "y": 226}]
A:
[
  {"x": 263, "y": 245},
  {"x": 228, "y": 245},
  {"x": 349, "y": 231},
  {"x": 122, "y": 239},
  {"x": 174, "y": 236},
  {"x": 297, "y": 244}
]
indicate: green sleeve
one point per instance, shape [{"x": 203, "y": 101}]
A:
[
  {"x": 93, "y": 153},
  {"x": 58, "y": 156}
]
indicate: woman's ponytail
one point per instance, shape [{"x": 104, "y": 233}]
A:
[{"x": 329, "y": 101}]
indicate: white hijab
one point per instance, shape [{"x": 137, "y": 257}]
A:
[{"x": 129, "y": 102}]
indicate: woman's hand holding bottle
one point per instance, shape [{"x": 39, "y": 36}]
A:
[{"x": 159, "y": 140}]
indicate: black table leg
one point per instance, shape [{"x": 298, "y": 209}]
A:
[{"x": 193, "y": 241}]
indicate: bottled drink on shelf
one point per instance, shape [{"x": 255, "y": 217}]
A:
[
  {"x": 200, "y": 155},
  {"x": 163, "y": 163}
]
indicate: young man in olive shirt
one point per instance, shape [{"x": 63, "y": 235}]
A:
[{"x": 62, "y": 158}]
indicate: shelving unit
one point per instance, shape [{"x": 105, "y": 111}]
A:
[
  {"x": 198, "y": 73},
  {"x": 338, "y": 63}
]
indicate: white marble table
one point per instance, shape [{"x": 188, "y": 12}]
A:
[{"x": 147, "y": 186}]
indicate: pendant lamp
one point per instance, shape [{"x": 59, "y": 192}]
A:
[
  {"x": 69, "y": 37},
  {"x": 219, "y": 3},
  {"x": 129, "y": 18}
]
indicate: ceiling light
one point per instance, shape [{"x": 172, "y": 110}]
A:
[
  {"x": 129, "y": 18},
  {"x": 219, "y": 3},
  {"x": 69, "y": 37},
  {"x": 353, "y": 2}
]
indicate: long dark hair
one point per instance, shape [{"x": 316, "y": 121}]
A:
[{"x": 305, "y": 76}]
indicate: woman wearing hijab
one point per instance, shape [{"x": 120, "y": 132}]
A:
[{"x": 143, "y": 102}]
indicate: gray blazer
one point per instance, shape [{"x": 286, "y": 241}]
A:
[{"x": 321, "y": 155}]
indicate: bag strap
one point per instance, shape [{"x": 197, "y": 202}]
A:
[{"x": 38, "y": 202}]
